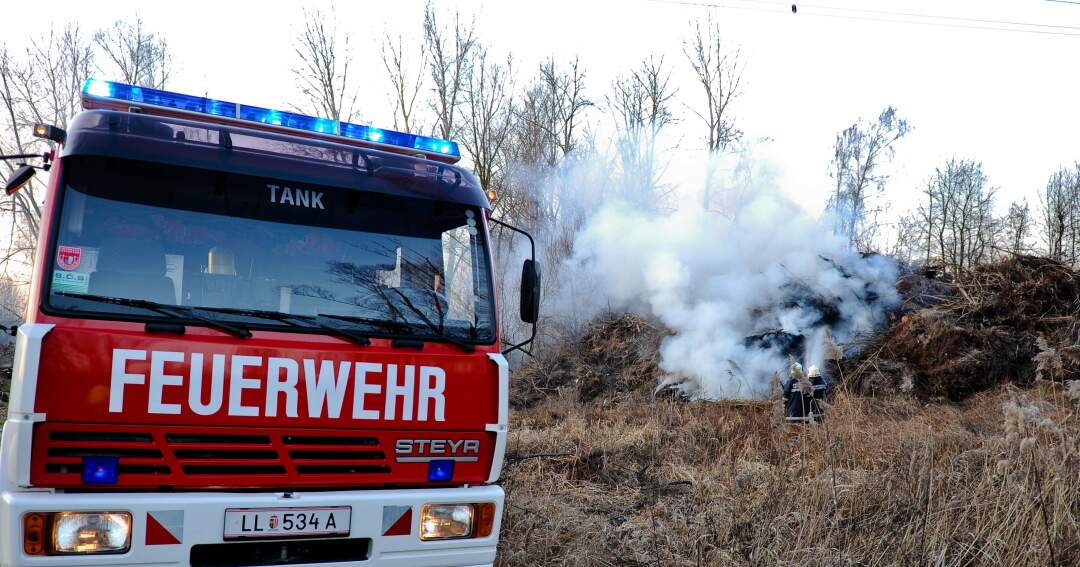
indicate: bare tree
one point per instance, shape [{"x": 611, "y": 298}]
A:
[
  {"x": 563, "y": 101},
  {"x": 955, "y": 223},
  {"x": 449, "y": 52},
  {"x": 44, "y": 87},
  {"x": 719, "y": 72},
  {"x": 641, "y": 99},
  {"x": 140, "y": 57},
  {"x": 911, "y": 242},
  {"x": 406, "y": 82},
  {"x": 1016, "y": 228},
  {"x": 546, "y": 137},
  {"x": 323, "y": 59},
  {"x": 546, "y": 130},
  {"x": 1060, "y": 215},
  {"x": 487, "y": 118},
  {"x": 640, "y": 102},
  {"x": 858, "y": 155}
]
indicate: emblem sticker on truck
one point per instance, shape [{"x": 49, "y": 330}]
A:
[
  {"x": 68, "y": 257},
  {"x": 396, "y": 520},
  {"x": 74, "y": 282},
  {"x": 165, "y": 527}
]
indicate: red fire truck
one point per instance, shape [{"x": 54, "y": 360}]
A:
[{"x": 254, "y": 337}]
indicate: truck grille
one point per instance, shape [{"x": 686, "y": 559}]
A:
[{"x": 209, "y": 457}]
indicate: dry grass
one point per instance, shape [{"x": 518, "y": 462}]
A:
[{"x": 627, "y": 480}]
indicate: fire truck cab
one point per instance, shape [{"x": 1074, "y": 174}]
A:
[{"x": 255, "y": 337}]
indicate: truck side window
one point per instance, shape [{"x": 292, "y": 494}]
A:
[{"x": 458, "y": 267}]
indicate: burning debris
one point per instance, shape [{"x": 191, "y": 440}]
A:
[
  {"x": 739, "y": 294},
  {"x": 1018, "y": 320}
]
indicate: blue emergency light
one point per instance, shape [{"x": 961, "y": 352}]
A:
[
  {"x": 288, "y": 119},
  {"x": 100, "y": 89},
  {"x": 154, "y": 97},
  {"x": 100, "y": 470},
  {"x": 441, "y": 470}
]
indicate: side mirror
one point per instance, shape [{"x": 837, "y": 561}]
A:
[
  {"x": 530, "y": 291},
  {"x": 18, "y": 178}
]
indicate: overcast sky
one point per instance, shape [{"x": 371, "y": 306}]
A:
[{"x": 1004, "y": 97}]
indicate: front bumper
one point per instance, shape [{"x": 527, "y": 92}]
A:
[{"x": 204, "y": 516}]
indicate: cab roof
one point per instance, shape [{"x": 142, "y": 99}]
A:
[{"x": 247, "y": 151}]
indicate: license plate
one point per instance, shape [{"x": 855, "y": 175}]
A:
[{"x": 286, "y": 522}]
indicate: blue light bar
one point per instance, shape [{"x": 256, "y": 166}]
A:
[
  {"x": 440, "y": 470},
  {"x": 445, "y": 147},
  {"x": 100, "y": 470},
  {"x": 144, "y": 95},
  {"x": 99, "y": 89},
  {"x": 390, "y": 137},
  {"x": 377, "y": 135},
  {"x": 288, "y": 119}
]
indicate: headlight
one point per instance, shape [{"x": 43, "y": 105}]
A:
[
  {"x": 446, "y": 521},
  {"x": 457, "y": 521},
  {"x": 91, "y": 532}
]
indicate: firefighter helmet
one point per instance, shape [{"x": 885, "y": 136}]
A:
[{"x": 814, "y": 372}]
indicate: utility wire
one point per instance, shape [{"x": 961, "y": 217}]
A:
[
  {"x": 952, "y": 21},
  {"x": 933, "y": 16},
  {"x": 784, "y": 5},
  {"x": 778, "y": 9}
]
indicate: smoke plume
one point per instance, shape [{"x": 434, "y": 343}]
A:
[{"x": 743, "y": 286}]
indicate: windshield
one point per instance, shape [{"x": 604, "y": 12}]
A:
[{"x": 215, "y": 240}]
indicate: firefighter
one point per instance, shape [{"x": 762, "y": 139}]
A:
[
  {"x": 803, "y": 396},
  {"x": 798, "y": 396},
  {"x": 819, "y": 387}
]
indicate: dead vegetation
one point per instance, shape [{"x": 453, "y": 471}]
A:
[
  {"x": 617, "y": 354},
  {"x": 629, "y": 481},
  {"x": 953, "y": 440},
  {"x": 1012, "y": 321}
]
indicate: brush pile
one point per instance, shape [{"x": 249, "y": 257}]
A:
[
  {"x": 616, "y": 354},
  {"x": 1013, "y": 321}
]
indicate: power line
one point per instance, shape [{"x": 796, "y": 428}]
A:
[
  {"x": 783, "y": 6},
  {"x": 944, "y": 25},
  {"x": 933, "y": 16},
  {"x": 779, "y": 10},
  {"x": 951, "y": 21}
]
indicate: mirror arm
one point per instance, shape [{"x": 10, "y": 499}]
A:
[
  {"x": 25, "y": 156},
  {"x": 532, "y": 243},
  {"x": 521, "y": 346},
  {"x": 532, "y": 255},
  {"x": 46, "y": 160}
]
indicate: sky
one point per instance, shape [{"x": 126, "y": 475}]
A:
[{"x": 1007, "y": 98}]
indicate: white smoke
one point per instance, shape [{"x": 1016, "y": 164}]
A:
[{"x": 735, "y": 287}]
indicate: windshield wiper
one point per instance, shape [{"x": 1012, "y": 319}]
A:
[
  {"x": 295, "y": 321},
  {"x": 397, "y": 326},
  {"x": 309, "y": 322},
  {"x": 386, "y": 325},
  {"x": 176, "y": 312},
  {"x": 436, "y": 329}
]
